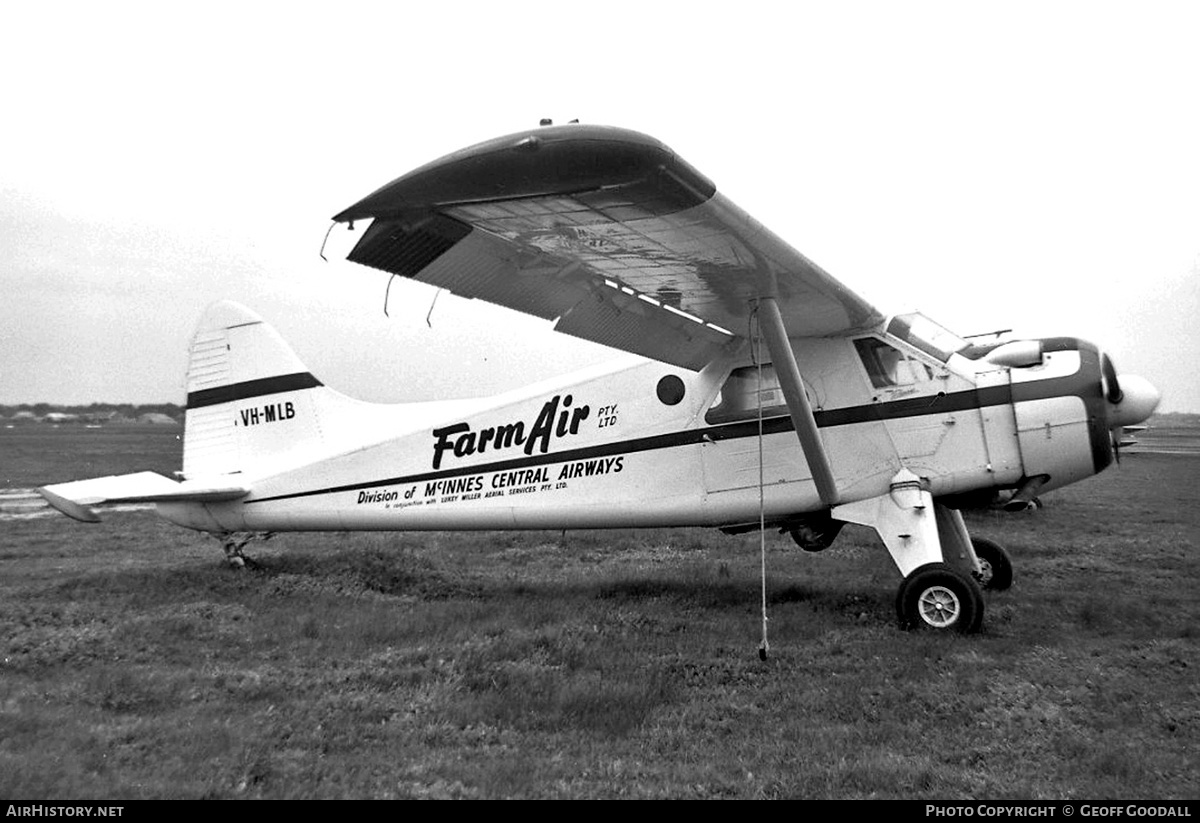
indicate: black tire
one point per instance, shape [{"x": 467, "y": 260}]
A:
[
  {"x": 940, "y": 598},
  {"x": 816, "y": 535},
  {"x": 997, "y": 575}
]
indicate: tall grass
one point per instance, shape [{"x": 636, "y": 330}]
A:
[{"x": 134, "y": 663}]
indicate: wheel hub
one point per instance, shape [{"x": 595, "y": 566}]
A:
[
  {"x": 984, "y": 575},
  {"x": 939, "y": 606}
]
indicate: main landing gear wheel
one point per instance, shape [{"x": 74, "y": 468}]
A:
[
  {"x": 939, "y": 597},
  {"x": 996, "y": 573}
]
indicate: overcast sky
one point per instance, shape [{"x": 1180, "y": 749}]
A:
[{"x": 1009, "y": 165}]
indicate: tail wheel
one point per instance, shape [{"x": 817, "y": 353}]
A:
[
  {"x": 939, "y": 597},
  {"x": 996, "y": 572}
]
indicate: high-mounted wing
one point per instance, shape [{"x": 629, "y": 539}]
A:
[{"x": 608, "y": 231}]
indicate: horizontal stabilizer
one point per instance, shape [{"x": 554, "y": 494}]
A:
[{"x": 76, "y": 499}]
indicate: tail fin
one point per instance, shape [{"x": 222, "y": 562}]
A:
[
  {"x": 251, "y": 403},
  {"x": 252, "y": 407}
]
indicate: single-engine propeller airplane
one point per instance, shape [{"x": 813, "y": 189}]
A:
[{"x": 770, "y": 395}]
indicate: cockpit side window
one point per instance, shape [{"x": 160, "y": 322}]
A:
[
  {"x": 740, "y": 396},
  {"x": 887, "y": 366}
]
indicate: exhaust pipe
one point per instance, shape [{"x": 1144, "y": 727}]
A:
[{"x": 1025, "y": 495}]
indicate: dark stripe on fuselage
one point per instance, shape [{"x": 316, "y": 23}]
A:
[
  {"x": 251, "y": 388},
  {"x": 1075, "y": 385}
]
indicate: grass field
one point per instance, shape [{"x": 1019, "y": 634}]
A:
[{"x": 134, "y": 663}]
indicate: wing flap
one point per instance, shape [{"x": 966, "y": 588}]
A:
[
  {"x": 475, "y": 265},
  {"x": 630, "y": 322},
  {"x": 76, "y": 499}
]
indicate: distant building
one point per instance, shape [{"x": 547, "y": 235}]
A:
[
  {"x": 60, "y": 417},
  {"x": 158, "y": 419},
  {"x": 24, "y": 417},
  {"x": 100, "y": 417}
]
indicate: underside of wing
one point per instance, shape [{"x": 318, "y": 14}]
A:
[{"x": 606, "y": 231}]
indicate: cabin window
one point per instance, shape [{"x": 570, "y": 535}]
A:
[
  {"x": 887, "y": 366},
  {"x": 670, "y": 390},
  {"x": 739, "y": 397}
]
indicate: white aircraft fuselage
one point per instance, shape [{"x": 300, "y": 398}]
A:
[{"x": 652, "y": 445}]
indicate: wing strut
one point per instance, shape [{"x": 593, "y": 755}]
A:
[{"x": 771, "y": 323}]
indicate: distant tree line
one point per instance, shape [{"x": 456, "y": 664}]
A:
[
  {"x": 128, "y": 410},
  {"x": 1174, "y": 418}
]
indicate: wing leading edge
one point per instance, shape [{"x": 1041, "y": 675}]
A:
[{"x": 608, "y": 231}]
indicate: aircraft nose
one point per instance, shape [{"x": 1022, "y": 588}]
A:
[{"x": 1138, "y": 401}]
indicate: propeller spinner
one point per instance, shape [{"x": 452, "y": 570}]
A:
[{"x": 1131, "y": 400}]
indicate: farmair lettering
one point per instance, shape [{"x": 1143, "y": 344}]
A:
[{"x": 551, "y": 423}]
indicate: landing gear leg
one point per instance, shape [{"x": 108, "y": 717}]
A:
[
  {"x": 984, "y": 560},
  {"x": 995, "y": 566},
  {"x": 930, "y": 546}
]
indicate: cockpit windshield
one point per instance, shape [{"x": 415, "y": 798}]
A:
[{"x": 919, "y": 331}]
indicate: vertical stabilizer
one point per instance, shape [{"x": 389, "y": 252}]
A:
[{"x": 251, "y": 403}]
